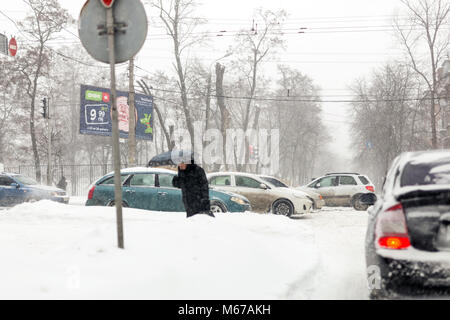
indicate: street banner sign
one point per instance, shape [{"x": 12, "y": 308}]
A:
[
  {"x": 131, "y": 29},
  {"x": 3, "y": 44},
  {"x": 95, "y": 113},
  {"x": 12, "y": 47}
]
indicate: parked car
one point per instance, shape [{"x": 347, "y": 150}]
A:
[
  {"x": 17, "y": 188},
  {"x": 263, "y": 196},
  {"x": 408, "y": 235},
  {"x": 314, "y": 197},
  {"x": 151, "y": 189},
  {"x": 344, "y": 190}
]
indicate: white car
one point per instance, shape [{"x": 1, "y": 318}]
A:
[
  {"x": 315, "y": 197},
  {"x": 263, "y": 196},
  {"x": 343, "y": 189}
]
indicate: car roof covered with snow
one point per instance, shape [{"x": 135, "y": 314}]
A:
[{"x": 412, "y": 171}]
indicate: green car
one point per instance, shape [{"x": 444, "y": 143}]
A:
[{"x": 151, "y": 189}]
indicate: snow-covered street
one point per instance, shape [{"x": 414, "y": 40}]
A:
[{"x": 52, "y": 251}]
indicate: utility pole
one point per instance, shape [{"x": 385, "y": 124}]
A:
[
  {"x": 49, "y": 128},
  {"x": 132, "y": 118},
  {"x": 46, "y": 114}
]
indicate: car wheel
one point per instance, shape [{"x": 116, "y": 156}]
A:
[
  {"x": 283, "y": 207},
  {"x": 217, "y": 207},
  {"x": 357, "y": 205},
  {"x": 113, "y": 204}
]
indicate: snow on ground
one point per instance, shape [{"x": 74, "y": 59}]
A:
[
  {"x": 55, "y": 251},
  {"x": 339, "y": 235},
  {"x": 78, "y": 201}
]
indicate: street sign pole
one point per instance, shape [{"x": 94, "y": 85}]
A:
[{"x": 115, "y": 127}]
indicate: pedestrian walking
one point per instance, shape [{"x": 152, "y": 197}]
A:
[{"x": 192, "y": 181}]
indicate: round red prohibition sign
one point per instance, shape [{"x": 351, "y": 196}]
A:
[{"x": 12, "y": 47}]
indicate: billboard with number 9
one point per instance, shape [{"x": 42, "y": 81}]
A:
[{"x": 95, "y": 113}]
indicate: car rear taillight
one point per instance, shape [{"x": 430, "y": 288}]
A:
[
  {"x": 91, "y": 193},
  {"x": 370, "y": 188},
  {"x": 391, "y": 231}
]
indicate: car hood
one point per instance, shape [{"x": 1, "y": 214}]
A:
[
  {"x": 309, "y": 191},
  {"x": 231, "y": 194},
  {"x": 44, "y": 188},
  {"x": 291, "y": 192}
]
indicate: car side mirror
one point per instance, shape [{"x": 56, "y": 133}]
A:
[
  {"x": 263, "y": 186},
  {"x": 15, "y": 185},
  {"x": 317, "y": 186}
]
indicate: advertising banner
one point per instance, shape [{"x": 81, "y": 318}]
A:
[{"x": 96, "y": 116}]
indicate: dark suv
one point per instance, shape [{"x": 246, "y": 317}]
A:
[{"x": 16, "y": 188}]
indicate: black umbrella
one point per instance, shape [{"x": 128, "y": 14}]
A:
[{"x": 171, "y": 158}]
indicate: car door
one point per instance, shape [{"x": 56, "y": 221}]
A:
[
  {"x": 169, "y": 198},
  {"x": 140, "y": 191},
  {"x": 9, "y": 195},
  {"x": 347, "y": 188},
  {"x": 260, "y": 199},
  {"x": 326, "y": 187}
]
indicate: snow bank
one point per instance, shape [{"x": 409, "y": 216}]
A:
[{"x": 50, "y": 251}]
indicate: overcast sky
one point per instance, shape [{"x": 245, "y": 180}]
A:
[{"x": 344, "y": 40}]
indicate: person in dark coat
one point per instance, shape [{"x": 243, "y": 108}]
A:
[
  {"x": 192, "y": 181},
  {"x": 62, "y": 184}
]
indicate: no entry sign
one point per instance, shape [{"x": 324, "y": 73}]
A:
[
  {"x": 107, "y": 3},
  {"x": 12, "y": 47}
]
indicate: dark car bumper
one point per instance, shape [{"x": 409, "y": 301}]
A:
[{"x": 414, "y": 272}]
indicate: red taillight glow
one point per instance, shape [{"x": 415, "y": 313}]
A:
[
  {"x": 91, "y": 193},
  {"x": 395, "y": 243},
  {"x": 391, "y": 229},
  {"x": 370, "y": 188}
]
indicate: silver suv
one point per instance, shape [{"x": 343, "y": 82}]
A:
[{"x": 344, "y": 190}]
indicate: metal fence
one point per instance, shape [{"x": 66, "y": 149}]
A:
[{"x": 78, "y": 177}]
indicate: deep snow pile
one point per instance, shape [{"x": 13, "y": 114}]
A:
[{"x": 52, "y": 251}]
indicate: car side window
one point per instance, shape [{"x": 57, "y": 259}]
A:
[
  {"x": 110, "y": 181},
  {"x": 220, "y": 181},
  {"x": 165, "y": 180},
  {"x": 6, "y": 181},
  {"x": 347, "y": 181},
  {"x": 143, "y": 180},
  {"x": 247, "y": 182},
  {"x": 328, "y": 182}
]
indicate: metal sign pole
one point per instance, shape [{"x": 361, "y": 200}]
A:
[
  {"x": 49, "y": 127},
  {"x": 115, "y": 127}
]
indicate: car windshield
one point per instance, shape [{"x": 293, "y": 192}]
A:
[
  {"x": 426, "y": 173},
  {"x": 275, "y": 182},
  {"x": 26, "y": 180}
]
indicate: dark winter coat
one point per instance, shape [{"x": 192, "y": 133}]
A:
[{"x": 195, "y": 189}]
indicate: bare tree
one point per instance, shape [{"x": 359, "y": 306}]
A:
[
  {"x": 180, "y": 23},
  {"x": 46, "y": 20},
  {"x": 428, "y": 20},
  {"x": 252, "y": 48},
  {"x": 387, "y": 121}
]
